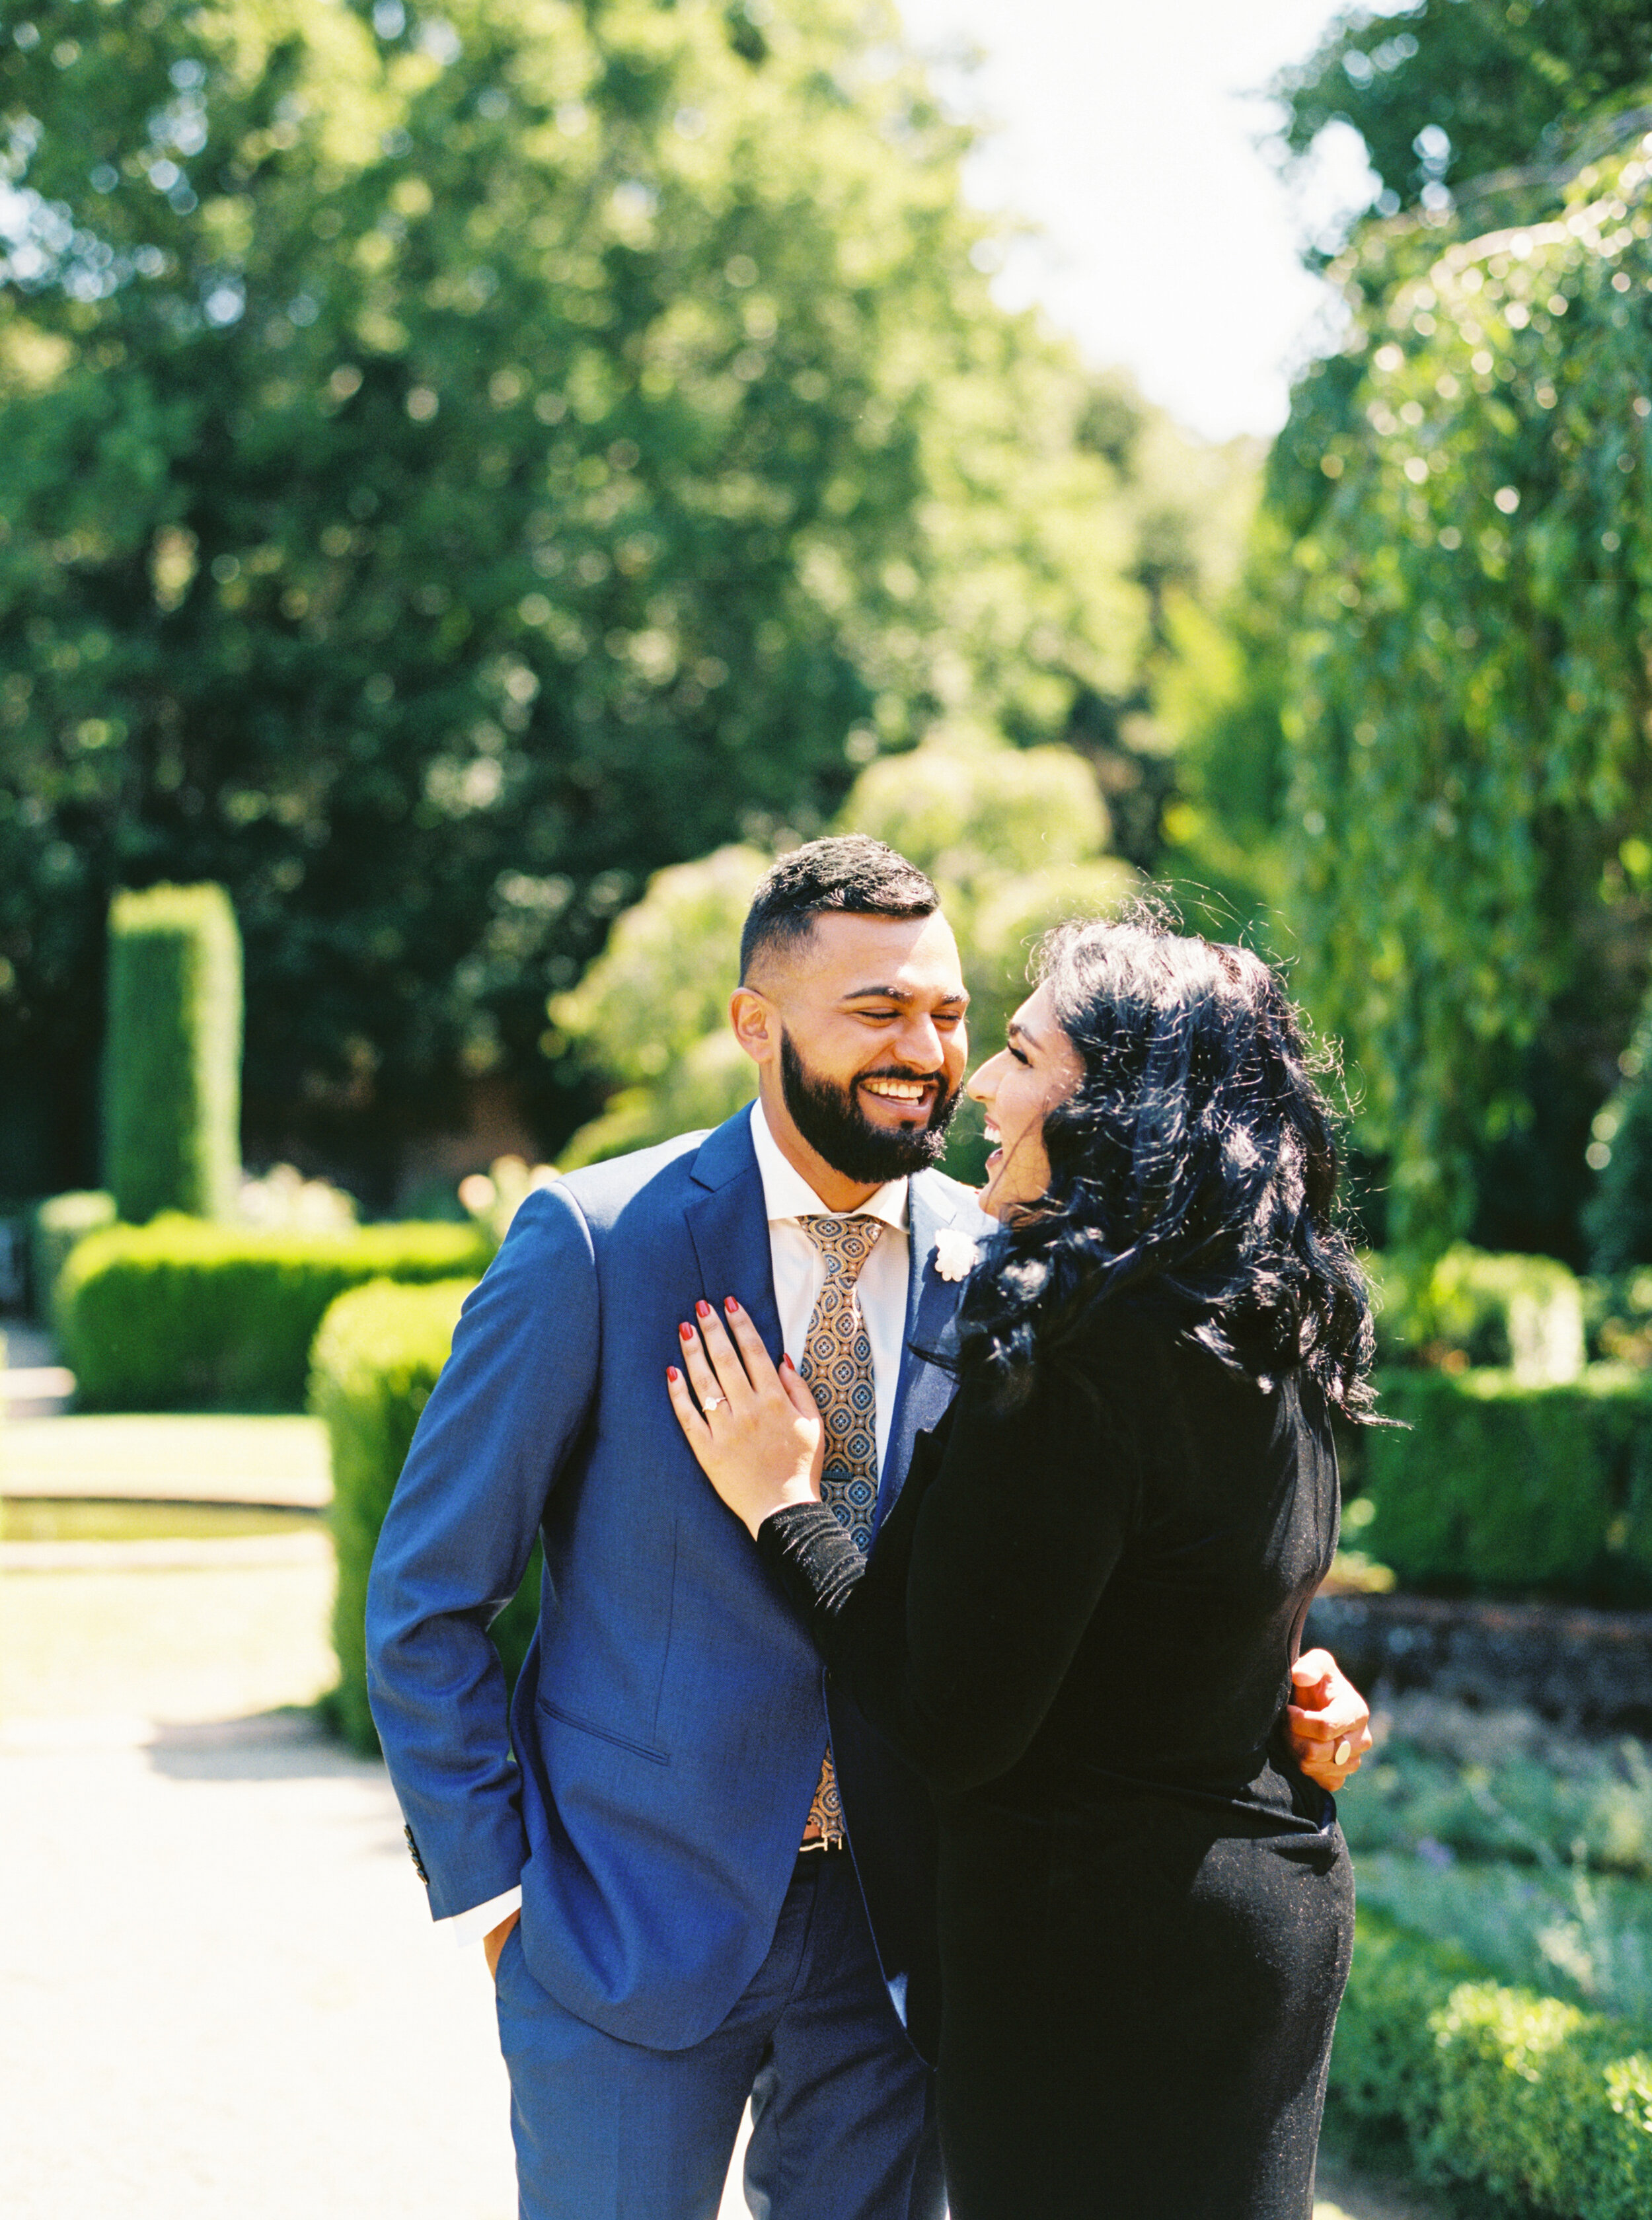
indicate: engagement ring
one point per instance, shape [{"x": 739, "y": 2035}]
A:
[{"x": 710, "y": 1405}]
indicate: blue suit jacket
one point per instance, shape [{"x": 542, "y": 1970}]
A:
[{"x": 668, "y": 1725}]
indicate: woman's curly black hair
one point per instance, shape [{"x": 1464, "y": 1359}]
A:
[{"x": 1192, "y": 1174}]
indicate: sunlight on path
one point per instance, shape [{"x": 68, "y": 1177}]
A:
[{"x": 226, "y": 1996}]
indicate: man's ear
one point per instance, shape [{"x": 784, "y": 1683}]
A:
[{"x": 757, "y": 1025}]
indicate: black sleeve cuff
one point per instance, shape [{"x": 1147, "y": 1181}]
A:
[{"x": 818, "y": 1564}]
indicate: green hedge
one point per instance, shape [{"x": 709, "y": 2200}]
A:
[
  {"x": 1525, "y": 1313},
  {"x": 1499, "y": 1489},
  {"x": 181, "y": 1313},
  {"x": 376, "y": 1361},
  {"x": 172, "y": 1053},
  {"x": 55, "y": 1226},
  {"x": 1520, "y": 2096}
]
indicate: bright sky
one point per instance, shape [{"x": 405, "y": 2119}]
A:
[{"x": 1168, "y": 244}]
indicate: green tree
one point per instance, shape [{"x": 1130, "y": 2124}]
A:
[
  {"x": 455, "y": 465},
  {"x": 1448, "y": 92},
  {"x": 1617, "y": 1218},
  {"x": 1466, "y": 694},
  {"x": 1221, "y": 694}
]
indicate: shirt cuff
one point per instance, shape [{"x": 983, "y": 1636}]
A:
[{"x": 462, "y": 1928}]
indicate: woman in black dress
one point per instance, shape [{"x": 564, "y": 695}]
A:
[{"x": 1080, "y": 1619}]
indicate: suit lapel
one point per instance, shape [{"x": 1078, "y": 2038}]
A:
[
  {"x": 924, "y": 1388},
  {"x": 729, "y": 1227}
]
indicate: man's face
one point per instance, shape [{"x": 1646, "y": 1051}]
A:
[{"x": 867, "y": 1042}]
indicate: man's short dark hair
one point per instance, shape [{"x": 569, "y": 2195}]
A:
[{"x": 850, "y": 873}]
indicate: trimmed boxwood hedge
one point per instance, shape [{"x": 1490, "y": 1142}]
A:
[
  {"x": 375, "y": 1362},
  {"x": 1524, "y": 2098},
  {"x": 181, "y": 1313},
  {"x": 172, "y": 1058},
  {"x": 1498, "y": 1489}
]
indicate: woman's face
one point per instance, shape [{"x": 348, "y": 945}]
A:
[{"x": 1040, "y": 1068}]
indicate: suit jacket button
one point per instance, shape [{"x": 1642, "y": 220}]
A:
[{"x": 412, "y": 1852}]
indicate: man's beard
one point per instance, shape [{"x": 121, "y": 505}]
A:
[{"x": 832, "y": 1121}]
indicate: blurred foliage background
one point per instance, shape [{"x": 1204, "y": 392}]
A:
[
  {"x": 476, "y": 484},
  {"x": 1432, "y": 755},
  {"x": 457, "y": 466}
]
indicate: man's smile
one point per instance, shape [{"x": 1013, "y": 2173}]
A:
[{"x": 899, "y": 1090}]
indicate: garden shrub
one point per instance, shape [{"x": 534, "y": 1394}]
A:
[
  {"x": 1382, "y": 2068},
  {"x": 1500, "y": 1488},
  {"x": 172, "y": 1054},
  {"x": 1555, "y": 1927},
  {"x": 376, "y": 1360},
  {"x": 54, "y": 1228},
  {"x": 1461, "y": 1787},
  {"x": 1525, "y": 2098},
  {"x": 1522, "y": 1312},
  {"x": 180, "y": 1311}
]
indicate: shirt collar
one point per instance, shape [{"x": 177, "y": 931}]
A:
[{"x": 787, "y": 1195}]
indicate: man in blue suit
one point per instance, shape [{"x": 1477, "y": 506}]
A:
[{"x": 700, "y": 1879}]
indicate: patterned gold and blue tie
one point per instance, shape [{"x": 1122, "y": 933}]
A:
[{"x": 838, "y": 1367}]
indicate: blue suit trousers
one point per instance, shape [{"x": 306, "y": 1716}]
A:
[{"x": 843, "y": 2114}]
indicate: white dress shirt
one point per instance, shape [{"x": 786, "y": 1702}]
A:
[{"x": 798, "y": 1271}]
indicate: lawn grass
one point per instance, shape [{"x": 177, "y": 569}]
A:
[
  {"x": 164, "y": 1645},
  {"x": 207, "y": 1457},
  {"x": 168, "y": 1644},
  {"x": 94, "y": 1519}
]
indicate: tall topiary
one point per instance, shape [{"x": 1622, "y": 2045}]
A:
[{"x": 172, "y": 1053}]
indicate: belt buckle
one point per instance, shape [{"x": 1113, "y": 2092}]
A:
[{"x": 823, "y": 1842}]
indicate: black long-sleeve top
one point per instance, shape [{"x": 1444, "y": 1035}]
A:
[{"x": 1104, "y": 1588}]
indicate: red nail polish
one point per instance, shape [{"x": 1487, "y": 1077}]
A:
[
  {"x": 704, "y": 1309},
  {"x": 729, "y": 1304},
  {"x": 786, "y": 1363},
  {"x": 686, "y": 1332},
  {"x": 672, "y": 1374}
]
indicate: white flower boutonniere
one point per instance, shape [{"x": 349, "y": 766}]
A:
[{"x": 955, "y": 1253}]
